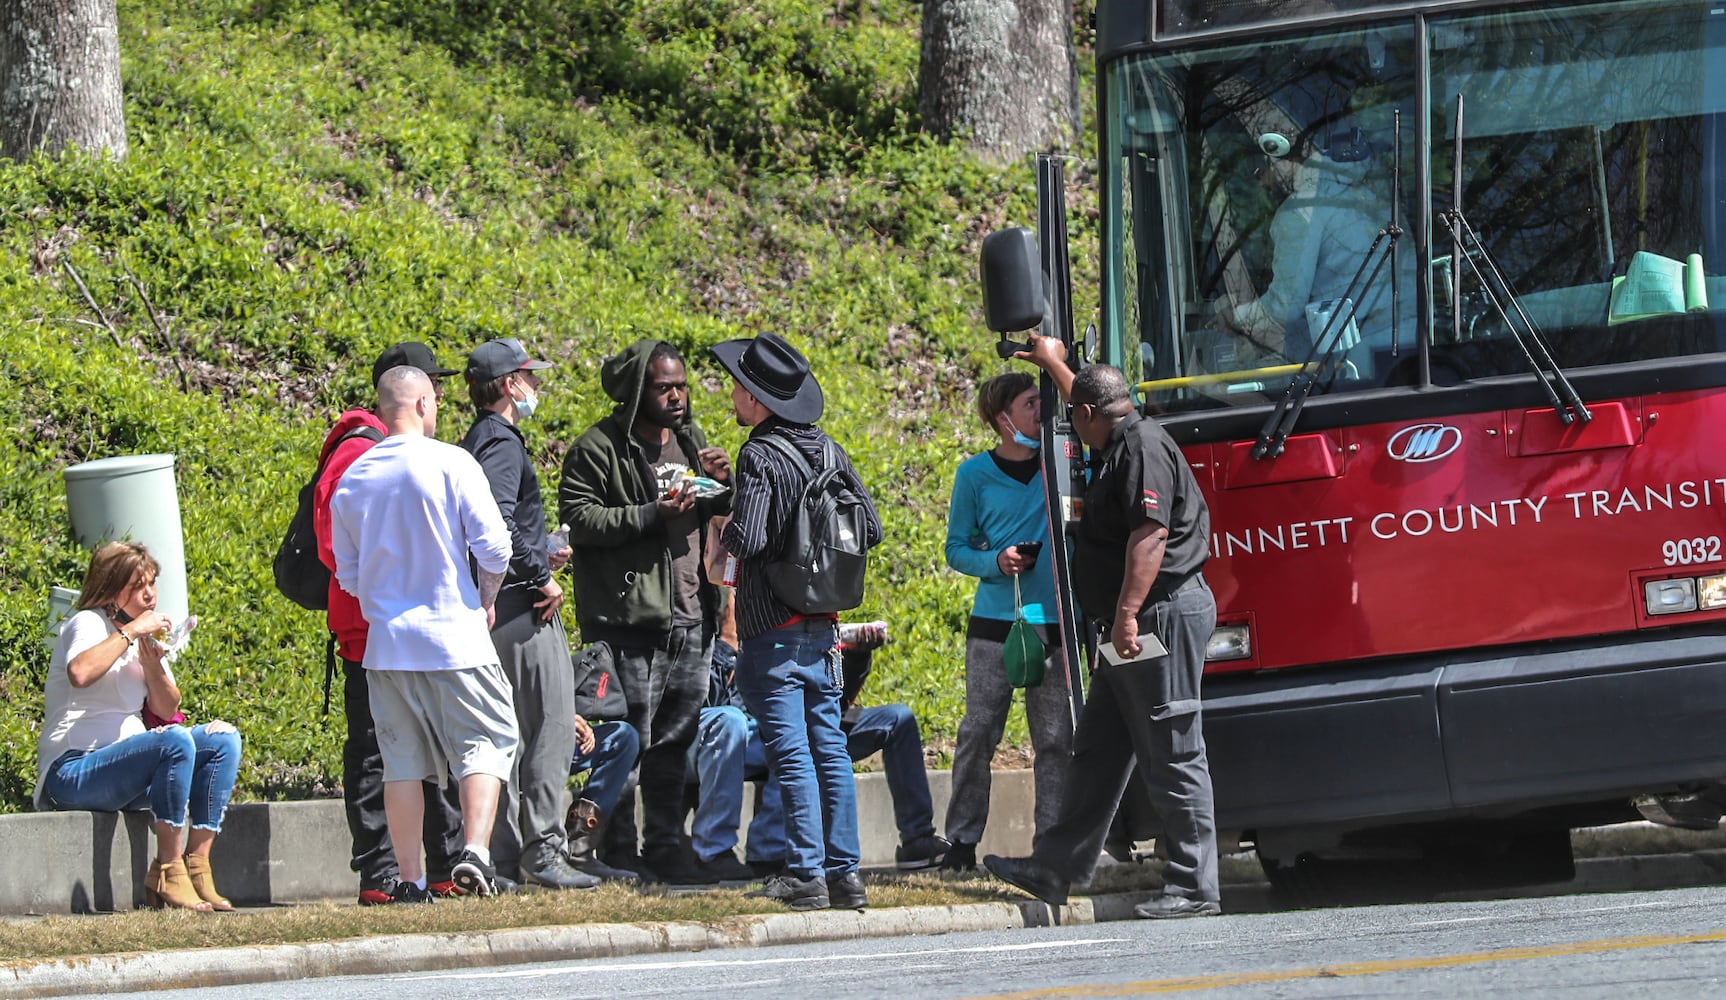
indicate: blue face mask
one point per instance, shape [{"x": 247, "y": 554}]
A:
[
  {"x": 525, "y": 406},
  {"x": 1021, "y": 439}
]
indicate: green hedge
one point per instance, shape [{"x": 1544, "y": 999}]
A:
[{"x": 311, "y": 182}]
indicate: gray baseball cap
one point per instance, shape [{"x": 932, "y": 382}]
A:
[{"x": 496, "y": 358}]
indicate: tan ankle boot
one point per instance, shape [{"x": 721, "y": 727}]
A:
[
  {"x": 204, "y": 882},
  {"x": 168, "y": 884}
]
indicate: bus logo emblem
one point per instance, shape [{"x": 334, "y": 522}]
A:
[{"x": 1423, "y": 443}]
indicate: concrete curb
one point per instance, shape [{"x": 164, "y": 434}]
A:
[{"x": 395, "y": 954}]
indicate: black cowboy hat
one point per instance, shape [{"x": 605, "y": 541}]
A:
[{"x": 775, "y": 373}]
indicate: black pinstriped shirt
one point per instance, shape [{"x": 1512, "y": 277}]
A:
[{"x": 767, "y": 482}]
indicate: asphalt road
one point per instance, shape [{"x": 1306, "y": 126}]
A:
[{"x": 1662, "y": 942}]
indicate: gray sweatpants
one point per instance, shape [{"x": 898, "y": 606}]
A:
[
  {"x": 535, "y": 658},
  {"x": 988, "y": 697}
]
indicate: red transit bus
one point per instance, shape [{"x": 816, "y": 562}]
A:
[{"x": 1432, "y": 295}]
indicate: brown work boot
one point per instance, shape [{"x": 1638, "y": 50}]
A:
[{"x": 585, "y": 824}]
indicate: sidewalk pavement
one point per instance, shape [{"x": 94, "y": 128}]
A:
[{"x": 1610, "y": 859}]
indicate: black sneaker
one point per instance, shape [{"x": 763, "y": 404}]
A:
[
  {"x": 381, "y": 894},
  {"x": 846, "y": 891},
  {"x": 677, "y": 866},
  {"x": 924, "y": 852},
  {"x": 628, "y": 862},
  {"x": 604, "y": 872},
  {"x": 407, "y": 892},
  {"x": 960, "y": 858},
  {"x": 797, "y": 893},
  {"x": 724, "y": 867},
  {"x": 473, "y": 876}
]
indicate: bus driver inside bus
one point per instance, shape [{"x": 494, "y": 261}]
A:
[{"x": 1322, "y": 231}]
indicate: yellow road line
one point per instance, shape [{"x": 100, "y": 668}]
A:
[{"x": 1193, "y": 983}]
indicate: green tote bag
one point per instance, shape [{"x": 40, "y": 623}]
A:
[{"x": 1022, "y": 653}]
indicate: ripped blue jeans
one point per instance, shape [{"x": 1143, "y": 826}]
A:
[{"x": 172, "y": 770}]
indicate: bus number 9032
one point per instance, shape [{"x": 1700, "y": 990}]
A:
[{"x": 1685, "y": 551}]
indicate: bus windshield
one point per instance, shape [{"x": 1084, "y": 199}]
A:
[{"x": 1253, "y": 192}]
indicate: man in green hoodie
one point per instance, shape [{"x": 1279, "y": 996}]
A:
[{"x": 638, "y": 528}]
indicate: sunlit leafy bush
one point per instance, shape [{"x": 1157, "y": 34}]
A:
[{"x": 311, "y": 182}]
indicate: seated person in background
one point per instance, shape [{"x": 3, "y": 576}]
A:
[
  {"x": 606, "y": 747},
  {"x": 95, "y": 751},
  {"x": 728, "y": 753},
  {"x": 888, "y": 729},
  {"x": 1331, "y": 212}
]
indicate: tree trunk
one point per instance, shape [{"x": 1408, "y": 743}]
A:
[
  {"x": 1001, "y": 72},
  {"x": 60, "y": 78}
]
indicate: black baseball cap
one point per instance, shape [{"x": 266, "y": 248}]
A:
[
  {"x": 497, "y": 358},
  {"x": 413, "y": 354}
]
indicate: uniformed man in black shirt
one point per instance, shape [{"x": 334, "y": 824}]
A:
[{"x": 1141, "y": 546}]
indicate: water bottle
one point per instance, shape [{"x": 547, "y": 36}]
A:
[
  {"x": 851, "y": 632},
  {"x": 556, "y": 540}
]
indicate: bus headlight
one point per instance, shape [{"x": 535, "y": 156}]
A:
[
  {"x": 1711, "y": 591},
  {"x": 1669, "y": 597},
  {"x": 1230, "y": 642}
]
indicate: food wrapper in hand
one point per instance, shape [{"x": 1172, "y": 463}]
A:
[
  {"x": 702, "y": 485},
  {"x": 175, "y": 640}
]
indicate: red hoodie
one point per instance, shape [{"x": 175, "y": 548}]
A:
[{"x": 346, "y": 621}]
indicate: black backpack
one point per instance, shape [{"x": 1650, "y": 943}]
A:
[
  {"x": 823, "y": 554},
  {"x": 599, "y": 693},
  {"x": 300, "y": 575}
]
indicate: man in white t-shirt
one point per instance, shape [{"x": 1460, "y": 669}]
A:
[{"x": 404, "y": 521}]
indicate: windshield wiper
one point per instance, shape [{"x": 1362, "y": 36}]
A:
[
  {"x": 1281, "y": 422},
  {"x": 1467, "y": 246}
]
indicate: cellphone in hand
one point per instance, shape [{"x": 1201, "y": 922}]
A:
[{"x": 1030, "y": 550}]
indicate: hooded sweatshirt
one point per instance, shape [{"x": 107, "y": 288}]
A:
[
  {"x": 608, "y": 495},
  {"x": 1321, "y": 234},
  {"x": 345, "y": 618}
]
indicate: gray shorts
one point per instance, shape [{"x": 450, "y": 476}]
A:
[{"x": 431, "y": 723}]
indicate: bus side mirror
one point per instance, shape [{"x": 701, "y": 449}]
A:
[{"x": 1012, "y": 281}]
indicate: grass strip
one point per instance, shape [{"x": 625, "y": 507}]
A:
[{"x": 147, "y": 930}]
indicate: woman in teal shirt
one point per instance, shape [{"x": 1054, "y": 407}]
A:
[{"x": 997, "y": 505}]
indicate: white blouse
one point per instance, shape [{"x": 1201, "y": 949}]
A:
[{"x": 88, "y": 718}]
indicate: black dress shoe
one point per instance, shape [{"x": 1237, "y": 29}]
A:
[
  {"x": 1026, "y": 874},
  {"x": 1167, "y": 907},
  {"x": 846, "y": 891}
]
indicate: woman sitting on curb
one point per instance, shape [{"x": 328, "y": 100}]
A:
[{"x": 95, "y": 751}]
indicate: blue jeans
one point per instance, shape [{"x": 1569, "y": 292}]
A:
[
  {"x": 169, "y": 769},
  {"x": 887, "y": 729},
  {"x": 614, "y": 749},
  {"x": 726, "y": 754},
  {"x": 789, "y": 678},
  {"x": 891, "y": 730}
]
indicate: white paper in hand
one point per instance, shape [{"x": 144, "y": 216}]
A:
[{"x": 1150, "y": 648}]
